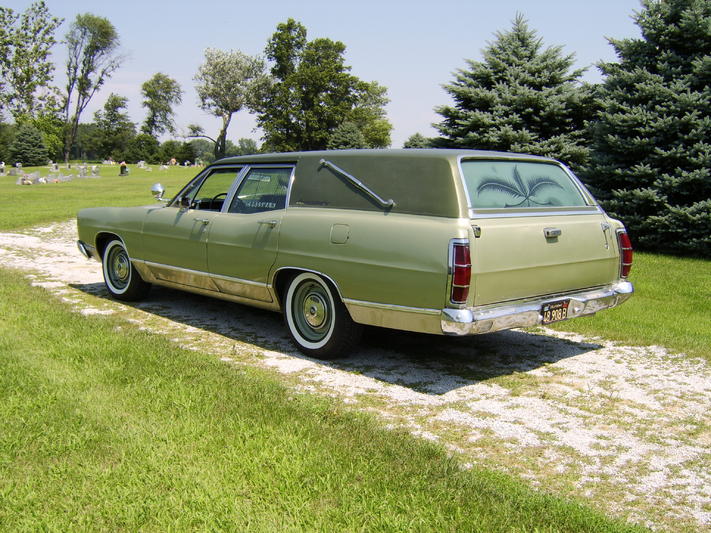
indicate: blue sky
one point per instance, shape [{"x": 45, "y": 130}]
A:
[{"x": 411, "y": 47}]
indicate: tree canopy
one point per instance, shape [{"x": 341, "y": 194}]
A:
[
  {"x": 26, "y": 68},
  {"x": 651, "y": 161},
  {"x": 92, "y": 44},
  {"x": 227, "y": 82},
  {"x": 313, "y": 93},
  {"x": 520, "y": 98},
  {"x": 160, "y": 94},
  {"x": 114, "y": 128}
]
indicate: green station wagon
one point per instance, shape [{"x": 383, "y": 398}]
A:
[{"x": 453, "y": 242}]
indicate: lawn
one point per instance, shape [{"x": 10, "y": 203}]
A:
[
  {"x": 671, "y": 307},
  {"x": 104, "y": 427},
  {"x": 29, "y": 205}
]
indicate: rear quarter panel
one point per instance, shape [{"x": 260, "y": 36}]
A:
[{"x": 387, "y": 258}]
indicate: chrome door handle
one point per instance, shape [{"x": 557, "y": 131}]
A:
[
  {"x": 552, "y": 232},
  {"x": 270, "y": 223},
  {"x": 203, "y": 221}
]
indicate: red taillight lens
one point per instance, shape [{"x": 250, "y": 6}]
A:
[
  {"x": 625, "y": 253},
  {"x": 461, "y": 273}
]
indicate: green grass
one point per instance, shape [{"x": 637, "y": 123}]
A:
[
  {"x": 29, "y": 205},
  {"x": 103, "y": 427},
  {"x": 671, "y": 307}
]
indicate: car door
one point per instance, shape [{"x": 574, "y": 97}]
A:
[
  {"x": 243, "y": 240},
  {"x": 175, "y": 237}
]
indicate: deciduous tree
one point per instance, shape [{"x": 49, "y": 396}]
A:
[
  {"x": 651, "y": 160},
  {"x": 114, "y": 128},
  {"x": 520, "y": 98},
  {"x": 92, "y": 45},
  {"x": 160, "y": 94},
  {"x": 227, "y": 82},
  {"x": 26, "y": 68},
  {"x": 313, "y": 93}
]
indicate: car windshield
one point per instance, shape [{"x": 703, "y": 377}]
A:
[{"x": 519, "y": 184}]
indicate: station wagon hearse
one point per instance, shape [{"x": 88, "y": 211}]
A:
[{"x": 452, "y": 242}]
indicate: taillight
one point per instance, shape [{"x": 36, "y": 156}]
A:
[
  {"x": 461, "y": 269},
  {"x": 625, "y": 245}
]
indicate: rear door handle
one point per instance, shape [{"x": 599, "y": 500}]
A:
[
  {"x": 203, "y": 221},
  {"x": 552, "y": 232},
  {"x": 270, "y": 223}
]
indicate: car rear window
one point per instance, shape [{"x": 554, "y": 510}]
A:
[{"x": 519, "y": 184}]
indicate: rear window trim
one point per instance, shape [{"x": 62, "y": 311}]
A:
[{"x": 591, "y": 207}]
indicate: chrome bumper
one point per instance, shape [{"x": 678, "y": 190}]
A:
[
  {"x": 87, "y": 250},
  {"x": 486, "y": 319}
]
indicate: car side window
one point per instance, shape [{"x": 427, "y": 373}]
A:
[
  {"x": 211, "y": 193},
  {"x": 263, "y": 189}
]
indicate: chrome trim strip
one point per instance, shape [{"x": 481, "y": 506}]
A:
[
  {"x": 392, "y": 307},
  {"x": 483, "y": 214},
  {"x": 204, "y": 274},
  {"x": 490, "y": 318}
]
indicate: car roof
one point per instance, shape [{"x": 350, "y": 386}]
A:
[{"x": 427, "y": 153}]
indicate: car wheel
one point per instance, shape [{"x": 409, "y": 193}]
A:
[
  {"x": 121, "y": 278},
  {"x": 318, "y": 322}
]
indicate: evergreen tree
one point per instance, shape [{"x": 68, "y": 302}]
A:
[
  {"x": 521, "y": 98},
  {"x": 652, "y": 142},
  {"x": 28, "y": 148},
  {"x": 346, "y": 136},
  {"x": 417, "y": 140}
]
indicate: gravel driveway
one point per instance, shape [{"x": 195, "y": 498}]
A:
[{"x": 626, "y": 429}]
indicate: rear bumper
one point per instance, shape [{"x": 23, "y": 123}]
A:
[{"x": 486, "y": 319}]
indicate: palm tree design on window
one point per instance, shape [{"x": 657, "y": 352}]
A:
[{"x": 526, "y": 190}]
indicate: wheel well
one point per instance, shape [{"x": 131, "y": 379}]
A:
[
  {"x": 284, "y": 276},
  {"x": 102, "y": 240}
]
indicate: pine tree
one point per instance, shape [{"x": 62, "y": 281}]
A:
[
  {"x": 521, "y": 98},
  {"x": 346, "y": 136},
  {"x": 651, "y": 150},
  {"x": 28, "y": 147}
]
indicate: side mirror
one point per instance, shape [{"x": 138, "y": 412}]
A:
[{"x": 157, "y": 190}]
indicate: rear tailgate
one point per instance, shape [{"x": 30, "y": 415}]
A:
[
  {"x": 539, "y": 230},
  {"x": 522, "y": 257}
]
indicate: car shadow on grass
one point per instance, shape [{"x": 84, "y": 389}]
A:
[{"x": 429, "y": 364}]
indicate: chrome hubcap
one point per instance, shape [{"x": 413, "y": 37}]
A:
[
  {"x": 121, "y": 267},
  {"x": 315, "y": 310}
]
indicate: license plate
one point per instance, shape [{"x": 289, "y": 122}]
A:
[{"x": 555, "y": 311}]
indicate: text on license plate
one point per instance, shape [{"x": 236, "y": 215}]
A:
[{"x": 555, "y": 311}]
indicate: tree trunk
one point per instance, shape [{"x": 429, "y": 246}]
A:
[
  {"x": 221, "y": 143},
  {"x": 69, "y": 138}
]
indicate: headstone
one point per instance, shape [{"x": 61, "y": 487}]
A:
[
  {"x": 123, "y": 170},
  {"x": 83, "y": 171},
  {"x": 13, "y": 172},
  {"x": 94, "y": 170}
]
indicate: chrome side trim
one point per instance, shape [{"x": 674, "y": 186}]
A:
[
  {"x": 392, "y": 307},
  {"x": 486, "y": 319},
  {"x": 213, "y": 284}
]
